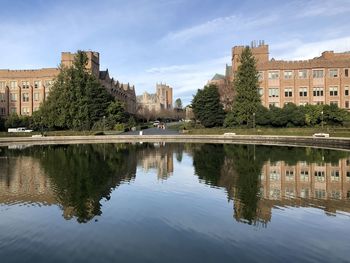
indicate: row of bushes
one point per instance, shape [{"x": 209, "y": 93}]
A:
[
  {"x": 294, "y": 116},
  {"x": 15, "y": 121}
]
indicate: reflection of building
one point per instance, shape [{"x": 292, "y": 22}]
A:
[
  {"x": 22, "y": 91},
  {"x": 321, "y": 80},
  {"x": 159, "y": 158},
  {"x": 161, "y": 100},
  {"x": 323, "y": 185},
  {"x": 19, "y": 185}
]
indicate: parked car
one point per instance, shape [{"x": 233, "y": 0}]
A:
[
  {"x": 21, "y": 129},
  {"x": 155, "y": 123}
]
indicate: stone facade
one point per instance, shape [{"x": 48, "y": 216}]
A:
[
  {"x": 161, "y": 100},
  {"x": 321, "y": 80},
  {"x": 22, "y": 91}
]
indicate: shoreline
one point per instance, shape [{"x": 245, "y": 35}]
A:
[{"x": 337, "y": 143}]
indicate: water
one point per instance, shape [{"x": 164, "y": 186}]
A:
[{"x": 174, "y": 203}]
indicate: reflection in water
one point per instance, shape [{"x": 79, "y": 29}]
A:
[
  {"x": 158, "y": 156},
  {"x": 260, "y": 178},
  {"x": 256, "y": 178}
]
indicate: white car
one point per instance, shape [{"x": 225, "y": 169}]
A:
[
  {"x": 22, "y": 129},
  {"x": 156, "y": 123}
]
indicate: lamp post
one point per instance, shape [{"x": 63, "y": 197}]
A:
[
  {"x": 254, "y": 120},
  {"x": 104, "y": 120}
]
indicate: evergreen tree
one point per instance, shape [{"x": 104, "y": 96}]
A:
[
  {"x": 207, "y": 107},
  {"x": 178, "y": 103},
  {"x": 247, "y": 99},
  {"x": 77, "y": 100}
]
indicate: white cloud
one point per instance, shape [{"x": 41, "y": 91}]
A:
[
  {"x": 310, "y": 50},
  {"x": 221, "y": 25}
]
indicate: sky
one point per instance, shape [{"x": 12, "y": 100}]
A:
[{"x": 182, "y": 43}]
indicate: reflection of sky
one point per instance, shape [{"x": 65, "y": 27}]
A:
[{"x": 178, "y": 219}]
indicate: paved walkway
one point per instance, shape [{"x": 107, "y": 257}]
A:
[{"x": 153, "y": 131}]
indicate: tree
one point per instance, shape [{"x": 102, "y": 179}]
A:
[
  {"x": 207, "y": 107},
  {"x": 178, "y": 103},
  {"x": 77, "y": 100},
  {"x": 246, "y": 83},
  {"x": 15, "y": 121}
]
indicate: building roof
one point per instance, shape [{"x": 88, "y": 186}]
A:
[{"x": 218, "y": 77}]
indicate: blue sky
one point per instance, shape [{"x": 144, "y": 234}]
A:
[{"x": 180, "y": 42}]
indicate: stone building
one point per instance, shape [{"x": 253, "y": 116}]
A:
[
  {"x": 161, "y": 100},
  {"x": 321, "y": 80},
  {"x": 22, "y": 91}
]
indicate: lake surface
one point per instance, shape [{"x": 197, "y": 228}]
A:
[{"x": 174, "y": 203}]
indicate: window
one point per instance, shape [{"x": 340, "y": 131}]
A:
[
  {"x": 302, "y": 103},
  {"x": 304, "y": 176},
  {"x": 333, "y": 103},
  {"x": 319, "y": 176},
  {"x": 2, "y": 97},
  {"x": 317, "y": 73},
  {"x": 288, "y": 92},
  {"x": 25, "y": 84},
  {"x": 288, "y": 74},
  {"x": 2, "y": 111},
  {"x": 2, "y": 84},
  {"x": 35, "y": 108},
  {"x": 320, "y": 193},
  {"x": 347, "y": 104},
  {"x": 261, "y": 75},
  {"x": 36, "y": 96},
  {"x": 302, "y": 74},
  {"x": 13, "y": 96},
  {"x": 346, "y": 91},
  {"x": 13, "y": 84},
  {"x": 25, "y": 111},
  {"x": 37, "y": 84},
  {"x": 318, "y": 91},
  {"x": 346, "y": 72},
  {"x": 303, "y": 91},
  {"x": 274, "y": 74},
  {"x": 25, "y": 97},
  {"x": 260, "y": 91},
  {"x": 273, "y": 104},
  {"x": 333, "y": 73},
  {"x": 333, "y": 91},
  {"x": 274, "y": 176},
  {"x": 273, "y": 92},
  {"x": 335, "y": 176},
  {"x": 289, "y": 175},
  {"x": 13, "y": 110},
  {"x": 304, "y": 193}
]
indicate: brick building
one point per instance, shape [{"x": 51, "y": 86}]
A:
[
  {"x": 321, "y": 80},
  {"x": 22, "y": 91}
]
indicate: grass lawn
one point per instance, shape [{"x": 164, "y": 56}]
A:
[{"x": 334, "y": 132}]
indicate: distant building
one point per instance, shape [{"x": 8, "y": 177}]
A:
[
  {"x": 22, "y": 91},
  {"x": 321, "y": 80},
  {"x": 161, "y": 100}
]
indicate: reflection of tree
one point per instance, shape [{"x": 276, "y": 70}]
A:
[
  {"x": 207, "y": 161},
  {"x": 247, "y": 167},
  {"x": 84, "y": 174}
]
